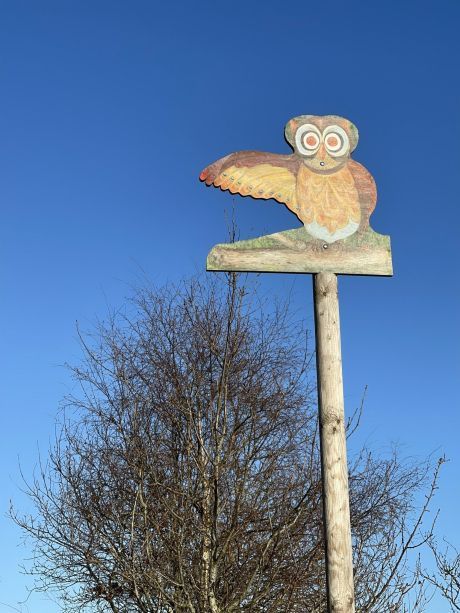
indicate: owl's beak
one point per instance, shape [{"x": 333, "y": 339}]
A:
[{"x": 322, "y": 152}]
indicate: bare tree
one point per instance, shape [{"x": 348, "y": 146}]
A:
[
  {"x": 446, "y": 578},
  {"x": 185, "y": 474}
]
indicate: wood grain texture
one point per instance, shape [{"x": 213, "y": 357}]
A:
[
  {"x": 339, "y": 565},
  {"x": 363, "y": 253}
]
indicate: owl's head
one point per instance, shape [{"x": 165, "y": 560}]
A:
[{"x": 324, "y": 142}]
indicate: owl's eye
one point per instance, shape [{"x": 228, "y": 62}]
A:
[
  {"x": 310, "y": 140},
  {"x": 336, "y": 141},
  {"x": 307, "y": 139}
]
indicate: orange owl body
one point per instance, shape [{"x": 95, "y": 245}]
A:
[
  {"x": 328, "y": 204},
  {"x": 330, "y": 193}
]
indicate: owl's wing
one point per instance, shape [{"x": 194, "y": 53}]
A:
[
  {"x": 256, "y": 174},
  {"x": 367, "y": 190}
]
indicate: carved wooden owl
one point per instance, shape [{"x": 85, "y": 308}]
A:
[{"x": 330, "y": 193}]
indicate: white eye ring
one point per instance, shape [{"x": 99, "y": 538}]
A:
[
  {"x": 343, "y": 144},
  {"x": 304, "y": 132}
]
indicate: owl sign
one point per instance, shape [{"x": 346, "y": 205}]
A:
[{"x": 332, "y": 196}]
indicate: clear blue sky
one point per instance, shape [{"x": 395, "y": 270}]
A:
[{"x": 108, "y": 112}]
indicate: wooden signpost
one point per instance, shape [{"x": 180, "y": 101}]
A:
[{"x": 333, "y": 196}]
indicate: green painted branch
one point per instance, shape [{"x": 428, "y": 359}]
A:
[{"x": 366, "y": 253}]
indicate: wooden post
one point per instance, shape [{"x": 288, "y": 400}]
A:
[{"x": 336, "y": 507}]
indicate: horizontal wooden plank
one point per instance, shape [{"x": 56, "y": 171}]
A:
[{"x": 295, "y": 251}]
